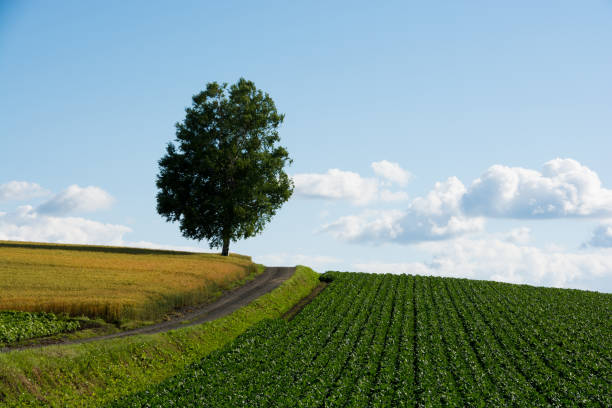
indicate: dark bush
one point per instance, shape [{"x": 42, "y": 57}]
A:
[{"x": 327, "y": 277}]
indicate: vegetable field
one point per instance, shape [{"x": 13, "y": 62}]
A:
[
  {"x": 17, "y": 326},
  {"x": 403, "y": 341}
]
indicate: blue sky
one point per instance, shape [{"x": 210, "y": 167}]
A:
[{"x": 512, "y": 102}]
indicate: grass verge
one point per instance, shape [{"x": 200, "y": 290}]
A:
[{"x": 92, "y": 374}]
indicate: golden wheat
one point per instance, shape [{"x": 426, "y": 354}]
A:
[{"x": 111, "y": 282}]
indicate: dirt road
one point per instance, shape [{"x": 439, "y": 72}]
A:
[{"x": 270, "y": 279}]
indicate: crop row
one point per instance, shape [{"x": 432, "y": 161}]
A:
[
  {"x": 411, "y": 341},
  {"x": 16, "y": 326}
]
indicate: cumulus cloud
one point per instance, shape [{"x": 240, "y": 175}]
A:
[
  {"x": 436, "y": 216},
  {"x": 444, "y": 199},
  {"x": 389, "y": 196},
  {"x": 369, "y": 226},
  {"x": 20, "y": 190},
  {"x": 77, "y": 199},
  {"x": 500, "y": 260},
  {"x": 392, "y": 172},
  {"x": 26, "y": 224},
  {"x": 378, "y": 227},
  {"x": 347, "y": 185},
  {"x": 336, "y": 184},
  {"x": 521, "y": 235},
  {"x": 602, "y": 236},
  {"x": 564, "y": 188}
]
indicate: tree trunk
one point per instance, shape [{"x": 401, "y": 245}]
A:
[{"x": 225, "y": 251}]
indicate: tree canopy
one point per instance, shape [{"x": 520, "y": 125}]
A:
[{"x": 223, "y": 179}]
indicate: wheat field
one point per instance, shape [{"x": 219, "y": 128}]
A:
[{"x": 112, "y": 283}]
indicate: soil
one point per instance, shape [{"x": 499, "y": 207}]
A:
[
  {"x": 290, "y": 314},
  {"x": 271, "y": 278}
]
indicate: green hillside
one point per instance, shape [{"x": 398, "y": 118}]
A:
[{"x": 403, "y": 341}]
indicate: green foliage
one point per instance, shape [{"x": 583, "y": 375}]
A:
[
  {"x": 327, "y": 277},
  {"x": 17, "y": 326},
  {"x": 405, "y": 341},
  {"x": 224, "y": 178}
]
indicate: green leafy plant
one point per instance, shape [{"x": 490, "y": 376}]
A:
[{"x": 17, "y": 326}]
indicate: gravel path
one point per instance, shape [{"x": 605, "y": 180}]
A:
[{"x": 270, "y": 279}]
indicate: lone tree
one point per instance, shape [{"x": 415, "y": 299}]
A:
[{"x": 224, "y": 178}]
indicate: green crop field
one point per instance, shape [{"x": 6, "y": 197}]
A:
[
  {"x": 16, "y": 326},
  {"x": 403, "y": 341}
]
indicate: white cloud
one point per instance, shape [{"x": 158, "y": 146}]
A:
[
  {"x": 496, "y": 259},
  {"x": 369, "y": 226},
  {"x": 521, "y": 235},
  {"x": 436, "y": 216},
  {"x": 336, "y": 184},
  {"x": 393, "y": 196},
  {"x": 602, "y": 236},
  {"x": 77, "y": 199},
  {"x": 26, "y": 224},
  {"x": 444, "y": 199},
  {"x": 564, "y": 188},
  {"x": 347, "y": 185},
  {"x": 378, "y": 227},
  {"x": 392, "y": 172},
  {"x": 20, "y": 190}
]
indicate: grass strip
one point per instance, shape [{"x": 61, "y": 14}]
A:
[{"x": 92, "y": 374}]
